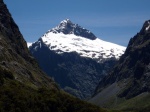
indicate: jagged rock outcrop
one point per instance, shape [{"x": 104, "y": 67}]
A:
[{"x": 67, "y": 27}]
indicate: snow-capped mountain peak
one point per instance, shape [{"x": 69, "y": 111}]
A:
[
  {"x": 67, "y": 27},
  {"x": 66, "y": 21},
  {"x": 64, "y": 24},
  {"x": 69, "y": 37}
]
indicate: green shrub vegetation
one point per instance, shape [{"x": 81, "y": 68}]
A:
[{"x": 16, "y": 97}]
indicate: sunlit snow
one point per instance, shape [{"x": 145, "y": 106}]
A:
[
  {"x": 29, "y": 44},
  {"x": 96, "y": 49}
]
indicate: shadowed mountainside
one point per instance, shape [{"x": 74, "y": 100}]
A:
[{"x": 129, "y": 81}]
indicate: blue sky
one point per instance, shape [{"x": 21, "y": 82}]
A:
[{"x": 111, "y": 20}]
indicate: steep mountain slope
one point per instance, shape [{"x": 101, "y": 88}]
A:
[
  {"x": 75, "y": 57},
  {"x": 14, "y": 54},
  {"x": 23, "y": 86},
  {"x": 129, "y": 81}
]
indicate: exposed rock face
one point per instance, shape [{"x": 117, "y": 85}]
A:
[
  {"x": 132, "y": 73},
  {"x": 67, "y": 27},
  {"x": 14, "y": 54}
]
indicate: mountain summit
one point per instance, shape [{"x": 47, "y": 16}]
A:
[
  {"x": 146, "y": 27},
  {"x": 67, "y": 27},
  {"x": 75, "y": 58},
  {"x": 69, "y": 37}
]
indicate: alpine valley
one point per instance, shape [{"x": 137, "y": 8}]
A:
[
  {"x": 23, "y": 85},
  {"x": 104, "y": 74},
  {"x": 75, "y": 58}
]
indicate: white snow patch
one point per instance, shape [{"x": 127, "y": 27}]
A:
[
  {"x": 95, "y": 49},
  {"x": 29, "y": 44},
  {"x": 147, "y": 28}
]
